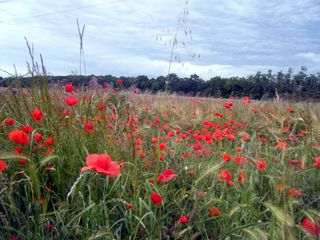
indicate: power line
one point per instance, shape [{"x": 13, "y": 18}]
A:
[{"x": 62, "y": 11}]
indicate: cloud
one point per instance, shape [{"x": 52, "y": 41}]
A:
[{"x": 126, "y": 37}]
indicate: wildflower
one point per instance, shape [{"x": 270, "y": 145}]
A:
[
  {"x": 65, "y": 113},
  {"x": 27, "y": 129},
  {"x": 42, "y": 201},
  {"x": 290, "y": 110},
  {"x": 10, "y": 121},
  {"x": 241, "y": 161},
  {"x": 302, "y": 133},
  {"x": 102, "y": 164},
  {"x": 280, "y": 186},
  {"x": 22, "y": 162},
  {"x": 317, "y": 163},
  {"x": 170, "y": 134},
  {"x": 311, "y": 227},
  {"x": 69, "y": 88},
  {"x": 213, "y": 212},
  {"x": 88, "y": 127},
  {"x": 49, "y": 142},
  {"x": 119, "y": 82},
  {"x": 281, "y": 145},
  {"x": 129, "y": 206},
  {"x": 183, "y": 219},
  {"x": 246, "y": 100},
  {"x": 3, "y": 165},
  {"x": 19, "y": 137},
  {"x": 238, "y": 149},
  {"x": 246, "y": 138},
  {"x": 49, "y": 226},
  {"x": 102, "y": 106},
  {"x": 37, "y": 137},
  {"x": 156, "y": 198},
  {"x": 17, "y": 150},
  {"x": 226, "y": 157},
  {"x": 142, "y": 154},
  {"x": 37, "y": 115},
  {"x": 208, "y": 124},
  {"x": 154, "y": 140},
  {"x": 295, "y": 163},
  {"x": 155, "y": 122},
  {"x": 260, "y": 164},
  {"x": 225, "y": 175},
  {"x": 228, "y": 105},
  {"x": 151, "y": 181},
  {"x": 71, "y": 101},
  {"x": 166, "y": 176},
  {"x": 162, "y": 146},
  {"x": 294, "y": 193}
]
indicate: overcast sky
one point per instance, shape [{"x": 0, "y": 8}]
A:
[{"x": 134, "y": 37}]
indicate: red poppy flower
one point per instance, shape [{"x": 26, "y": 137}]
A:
[
  {"x": 19, "y": 137},
  {"x": 156, "y": 198},
  {"x": 225, "y": 175},
  {"x": 311, "y": 227},
  {"x": 183, "y": 219},
  {"x": 102, "y": 106},
  {"x": 246, "y": 138},
  {"x": 71, "y": 101},
  {"x": 290, "y": 110},
  {"x": 208, "y": 124},
  {"x": 213, "y": 212},
  {"x": 17, "y": 150},
  {"x": 49, "y": 141},
  {"x": 166, "y": 176},
  {"x": 294, "y": 193},
  {"x": 22, "y": 162},
  {"x": 281, "y": 145},
  {"x": 102, "y": 164},
  {"x": 37, "y": 115},
  {"x": 317, "y": 163},
  {"x": 37, "y": 137},
  {"x": 69, "y": 88},
  {"x": 155, "y": 122},
  {"x": 260, "y": 164},
  {"x": 129, "y": 206},
  {"x": 27, "y": 129},
  {"x": 226, "y": 157},
  {"x": 162, "y": 146},
  {"x": 3, "y": 165},
  {"x": 88, "y": 126},
  {"x": 10, "y": 121},
  {"x": 119, "y": 81}
]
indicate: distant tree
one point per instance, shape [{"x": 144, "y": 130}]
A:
[{"x": 142, "y": 82}]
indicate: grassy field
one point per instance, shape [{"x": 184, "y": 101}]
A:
[{"x": 112, "y": 164}]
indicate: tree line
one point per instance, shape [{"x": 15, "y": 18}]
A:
[{"x": 297, "y": 86}]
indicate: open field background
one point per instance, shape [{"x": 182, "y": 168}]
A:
[{"x": 174, "y": 167}]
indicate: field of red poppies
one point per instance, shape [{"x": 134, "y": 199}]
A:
[{"x": 112, "y": 164}]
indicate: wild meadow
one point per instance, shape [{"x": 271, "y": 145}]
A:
[{"x": 80, "y": 163}]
